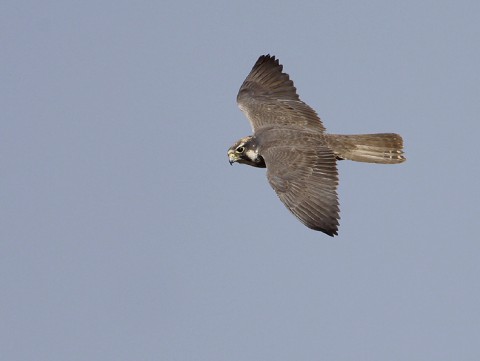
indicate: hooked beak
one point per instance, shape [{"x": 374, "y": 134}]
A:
[{"x": 231, "y": 157}]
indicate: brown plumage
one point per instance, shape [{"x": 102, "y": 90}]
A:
[{"x": 290, "y": 141}]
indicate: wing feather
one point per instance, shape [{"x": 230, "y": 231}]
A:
[
  {"x": 306, "y": 181},
  {"x": 268, "y": 97}
]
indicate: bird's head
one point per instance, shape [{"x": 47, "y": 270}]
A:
[{"x": 246, "y": 151}]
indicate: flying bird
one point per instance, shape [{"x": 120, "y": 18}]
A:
[{"x": 290, "y": 140}]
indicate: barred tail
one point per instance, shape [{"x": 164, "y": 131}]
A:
[{"x": 384, "y": 148}]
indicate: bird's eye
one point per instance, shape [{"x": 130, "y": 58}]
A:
[{"x": 240, "y": 149}]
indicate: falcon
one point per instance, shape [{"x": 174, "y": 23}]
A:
[{"x": 289, "y": 139}]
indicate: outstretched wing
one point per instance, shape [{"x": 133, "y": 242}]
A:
[
  {"x": 306, "y": 181},
  {"x": 268, "y": 97}
]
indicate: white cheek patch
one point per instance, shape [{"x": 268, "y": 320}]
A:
[{"x": 251, "y": 154}]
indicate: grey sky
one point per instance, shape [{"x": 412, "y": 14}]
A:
[{"x": 126, "y": 235}]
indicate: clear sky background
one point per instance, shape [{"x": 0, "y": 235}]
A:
[{"x": 126, "y": 235}]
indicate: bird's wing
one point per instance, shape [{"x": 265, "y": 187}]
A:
[
  {"x": 268, "y": 97},
  {"x": 306, "y": 181}
]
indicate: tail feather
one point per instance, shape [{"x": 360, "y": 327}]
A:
[{"x": 384, "y": 148}]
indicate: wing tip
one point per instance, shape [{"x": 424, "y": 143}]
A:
[
  {"x": 263, "y": 59},
  {"x": 330, "y": 231}
]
